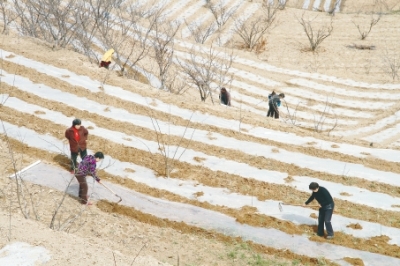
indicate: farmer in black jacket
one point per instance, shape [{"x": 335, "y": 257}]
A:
[
  {"x": 274, "y": 102},
  {"x": 325, "y": 200},
  {"x": 225, "y": 97}
]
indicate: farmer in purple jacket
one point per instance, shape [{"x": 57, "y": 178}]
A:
[{"x": 87, "y": 167}]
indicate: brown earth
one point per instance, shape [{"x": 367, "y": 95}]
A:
[
  {"x": 354, "y": 261},
  {"x": 103, "y": 237},
  {"x": 355, "y": 226}
]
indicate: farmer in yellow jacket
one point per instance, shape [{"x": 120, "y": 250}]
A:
[{"x": 106, "y": 59}]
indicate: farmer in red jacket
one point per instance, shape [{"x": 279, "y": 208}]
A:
[{"x": 77, "y": 136}]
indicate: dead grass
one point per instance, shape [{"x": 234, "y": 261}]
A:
[
  {"x": 289, "y": 179},
  {"x": 354, "y": 261},
  {"x": 199, "y": 159},
  {"x": 355, "y": 226},
  {"x": 184, "y": 228},
  {"x": 198, "y": 194}
]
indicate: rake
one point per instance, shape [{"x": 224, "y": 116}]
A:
[
  {"x": 109, "y": 189},
  {"x": 281, "y": 204}
]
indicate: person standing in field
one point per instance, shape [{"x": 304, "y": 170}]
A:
[
  {"x": 274, "y": 104},
  {"x": 269, "y": 114},
  {"x": 225, "y": 97},
  {"x": 325, "y": 200},
  {"x": 87, "y": 167},
  {"x": 77, "y": 138}
]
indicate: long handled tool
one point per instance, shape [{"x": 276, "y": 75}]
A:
[
  {"x": 109, "y": 189},
  {"x": 281, "y": 203}
]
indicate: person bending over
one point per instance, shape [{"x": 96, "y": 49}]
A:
[
  {"x": 87, "y": 167},
  {"x": 325, "y": 200}
]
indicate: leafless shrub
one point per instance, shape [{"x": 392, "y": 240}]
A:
[
  {"x": 391, "y": 64},
  {"x": 91, "y": 16},
  {"x": 7, "y": 14},
  {"x": 58, "y": 207},
  {"x": 205, "y": 68},
  {"x": 365, "y": 31},
  {"x": 270, "y": 8},
  {"x": 220, "y": 12},
  {"x": 170, "y": 153},
  {"x": 319, "y": 119},
  {"x": 292, "y": 117},
  {"x": 251, "y": 31},
  {"x": 14, "y": 160},
  {"x": 315, "y": 36},
  {"x": 54, "y": 21},
  {"x": 382, "y": 6},
  {"x": 175, "y": 82},
  {"x": 24, "y": 198},
  {"x": 138, "y": 42},
  {"x": 201, "y": 32},
  {"x": 163, "y": 48}
]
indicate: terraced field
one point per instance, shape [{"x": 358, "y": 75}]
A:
[{"x": 203, "y": 167}]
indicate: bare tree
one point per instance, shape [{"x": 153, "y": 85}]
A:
[
  {"x": 22, "y": 193},
  {"x": 319, "y": 119},
  {"x": 207, "y": 68},
  {"x": 252, "y": 31},
  {"x": 8, "y": 15},
  {"x": 90, "y": 16},
  {"x": 29, "y": 19},
  {"x": 175, "y": 82},
  {"x": 382, "y": 6},
  {"x": 391, "y": 64},
  {"x": 315, "y": 36},
  {"x": 51, "y": 20},
  {"x": 220, "y": 12},
  {"x": 138, "y": 44},
  {"x": 201, "y": 32},
  {"x": 270, "y": 8},
  {"x": 163, "y": 48},
  {"x": 292, "y": 116},
  {"x": 170, "y": 154},
  {"x": 365, "y": 32}
]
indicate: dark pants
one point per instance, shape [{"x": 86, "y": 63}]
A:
[
  {"x": 105, "y": 64},
  {"x": 273, "y": 111},
  {"x": 83, "y": 188},
  {"x": 324, "y": 217},
  {"x": 74, "y": 156}
]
